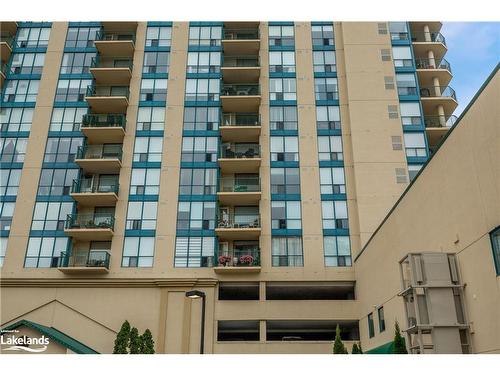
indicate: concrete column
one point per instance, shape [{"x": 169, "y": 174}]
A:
[
  {"x": 262, "y": 291},
  {"x": 441, "y": 114},
  {"x": 437, "y": 86},
  {"x": 262, "y": 336},
  {"x": 431, "y": 60},
  {"x": 427, "y": 34}
]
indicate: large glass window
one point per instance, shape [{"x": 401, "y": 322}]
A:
[
  {"x": 199, "y": 149},
  {"x": 21, "y": 90},
  {"x": 334, "y": 215},
  {"x": 330, "y": 148},
  {"x": 77, "y": 63},
  {"x": 81, "y": 37},
  {"x": 62, "y": 149},
  {"x": 153, "y": 90},
  {"x": 324, "y": 61},
  {"x": 282, "y": 89},
  {"x": 282, "y": 62},
  {"x": 284, "y": 148},
  {"x": 156, "y": 62},
  {"x": 27, "y": 63},
  {"x": 495, "y": 244},
  {"x": 198, "y": 181},
  {"x": 148, "y": 149},
  {"x": 72, "y": 90},
  {"x": 32, "y": 37},
  {"x": 9, "y": 181},
  {"x": 398, "y": 30},
  {"x": 56, "y": 181},
  {"x": 66, "y": 119},
  {"x": 287, "y": 252},
  {"x": 281, "y": 36},
  {"x": 51, "y": 215},
  {"x": 138, "y": 252},
  {"x": 407, "y": 84},
  {"x": 145, "y": 181},
  {"x": 45, "y": 252},
  {"x": 322, "y": 35},
  {"x": 332, "y": 180},
  {"x": 283, "y": 118},
  {"x": 6, "y": 214},
  {"x": 410, "y": 113},
  {"x": 285, "y": 181},
  {"x": 158, "y": 36},
  {"x": 402, "y": 57},
  {"x": 141, "y": 215},
  {"x": 202, "y": 89},
  {"x": 415, "y": 144},
  {"x": 337, "y": 251},
  {"x": 12, "y": 150},
  {"x": 326, "y": 89},
  {"x": 204, "y": 62},
  {"x": 196, "y": 216},
  {"x": 151, "y": 118},
  {"x": 327, "y": 118},
  {"x": 194, "y": 251},
  {"x": 205, "y": 35},
  {"x": 285, "y": 215},
  {"x": 16, "y": 119},
  {"x": 201, "y": 118}
]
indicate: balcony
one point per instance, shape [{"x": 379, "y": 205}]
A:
[
  {"x": 243, "y": 260},
  {"x": 90, "y": 227},
  {"x": 84, "y": 262},
  {"x": 115, "y": 43},
  {"x": 437, "y": 126},
  {"x": 434, "y": 26},
  {"x": 240, "y": 127},
  {"x": 239, "y": 158},
  {"x": 100, "y": 159},
  {"x": 241, "y": 41},
  {"x": 3, "y": 76},
  {"x": 438, "y": 96},
  {"x": 429, "y": 41},
  {"x": 239, "y": 191},
  {"x": 238, "y": 227},
  {"x": 428, "y": 69},
  {"x": 107, "y": 99},
  {"x": 111, "y": 71},
  {"x": 5, "y": 46},
  {"x": 103, "y": 128},
  {"x": 95, "y": 191},
  {"x": 9, "y": 27},
  {"x": 241, "y": 69},
  {"x": 240, "y": 98}
]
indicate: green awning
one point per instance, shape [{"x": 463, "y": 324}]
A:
[
  {"x": 382, "y": 349},
  {"x": 56, "y": 335}
]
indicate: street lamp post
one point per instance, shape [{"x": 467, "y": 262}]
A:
[{"x": 195, "y": 294}]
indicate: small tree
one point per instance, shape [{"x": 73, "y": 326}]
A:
[
  {"x": 399, "y": 346},
  {"x": 355, "y": 349},
  {"x": 147, "y": 343},
  {"x": 135, "y": 342},
  {"x": 338, "y": 345},
  {"x": 122, "y": 339}
]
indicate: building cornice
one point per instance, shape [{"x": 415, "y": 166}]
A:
[{"x": 106, "y": 283}]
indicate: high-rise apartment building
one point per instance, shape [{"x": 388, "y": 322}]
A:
[{"x": 248, "y": 160}]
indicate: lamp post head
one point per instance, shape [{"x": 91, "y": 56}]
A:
[{"x": 195, "y": 294}]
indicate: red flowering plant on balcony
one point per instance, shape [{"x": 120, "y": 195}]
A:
[
  {"x": 224, "y": 259},
  {"x": 246, "y": 260}
]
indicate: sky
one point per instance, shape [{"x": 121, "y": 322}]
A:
[{"x": 473, "y": 52}]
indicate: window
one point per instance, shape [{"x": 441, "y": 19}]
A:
[
  {"x": 281, "y": 36},
  {"x": 392, "y": 111},
  {"x": 413, "y": 170},
  {"x": 156, "y": 62},
  {"x": 330, "y": 148},
  {"x": 12, "y": 150},
  {"x": 62, "y": 149},
  {"x": 205, "y": 35},
  {"x": 45, "y": 252},
  {"x": 285, "y": 181},
  {"x": 81, "y": 37},
  {"x": 153, "y": 90},
  {"x": 148, "y": 149},
  {"x": 32, "y": 37},
  {"x": 202, "y": 90},
  {"x": 145, "y": 181},
  {"x": 282, "y": 89},
  {"x": 410, "y": 113},
  {"x": 194, "y": 251},
  {"x": 389, "y": 82},
  {"x": 201, "y": 181},
  {"x": 327, "y": 118},
  {"x": 138, "y": 252},
  {"x": 332, "y": 180},
  {"x": 334, "y": 215},
  {"x": 3, "y": 249},
  {"x": 402, "y": 57},
  {"x": 56, "y": 181},
  {"x": 324, "y": 61},
  {"x": 326, "y": 89},
  {"x": 495, "y": 244},
  {"x": 415, "y": 144},
  {"x": 385, "y": 54},
  {"x": 322, "y": 35},
  {"x": 72, "y": 90},
  {"x": 141, "y": 215},
  {"x": 382, "y": 28},
  {"x": 397, "y": 142},
  {"x": 151, "y": 118},
  {"x": 9, "y": 181},
  {"x": 201, "y": 118},
  {"x": 401, "y": 175},
  {"x": 381, "y": 319},
  {"x": 285, "y": 215},
  {"x": 398, "y": 30},
  {"x": 27, "y": 63},
  {"x": 16, "y": 119},
  {"x": 282, "y": 62},
  {"x": 284, "y": 149},
  {"x": 337, "y": 251},
  {"x": 196, "y": 216},
  {"x": 6, "y": 214},
  {"x": 287, "y": 252},
  {"x": 407, "y": 84},
  {"x": 51, "y": 215},
  {"x": 158, "y": 36},
  {"x": 21, "y": 90},
  {"x": 371, "y": 328},
  {"x": 77, "y": 63},
  {"x": 204, "y": 62},
  {"x": 238, "y": 330},
  {"x": 199, "y": 149},
  {"x": 283, "y": 118},
  {"x": 66, "y": 119}
]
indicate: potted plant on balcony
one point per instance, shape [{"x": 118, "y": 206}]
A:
[
  {"x": 246, "y": 260},
  {"x": 224, "y": 260}
]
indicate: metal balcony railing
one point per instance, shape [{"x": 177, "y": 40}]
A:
[
  {"x": 114, "y": 36},
  {"x": 437, "y": 92},
  {"x": 94, "y": 185},
  {"x": 98, "y": 62},
  {"x": 107, "y": 91},
  {"x": 239, "y": 257},
  {"x": 241, "y": 34},
  {"x": 240, "y": 90},
  {"x": 92, "y": 258},
  {"x": 241, "y": 61},
  {"x": 103, "y": 121},
  {"x": 225, "y": 220},
  {"x": 99, "y": 152},
  {"x": 433, "y": 64},
  {"x": 428, "y": 37},
  {"x": 440, "y": 121},
  {"x": 240, "y": 150},
  {"x": 239, "y": 184},
  {"x": 240, "y": 119},
  {"x": 90, "y": 221},
  {"x": 6, "y": 38}
]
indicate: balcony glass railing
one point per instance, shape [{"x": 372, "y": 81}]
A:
[
  {"x": 6, "y": 38},
  {"x": 239, "y": 184},
  {"x": 98, "y": 62},
  {"x": 240, "y": 150},
  {"x": 114, "y": 36},
  {"x": 240, "y": 119},
  {"x": 238, "y": 221},
  {"x": 433, "y": 64},
  {"x": 437, "y": 91},
  {"x": 241, "y": 61},
  {"x": 93, "y": 258},
  {"x": 107, "y": 91},
  {"x": 428, "y": 37},
  {"x": 99, "y": 152},
  {"x": 241, "y": 34},
  {"x": 239, "y": 257},
  {"x": 240, "y": 90},
  {"x": 92, "y": 185},
  {"x": 440, "y": 121},
  {"x": 103, "y": 121},
  {"x": 90, "y": 221}
]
